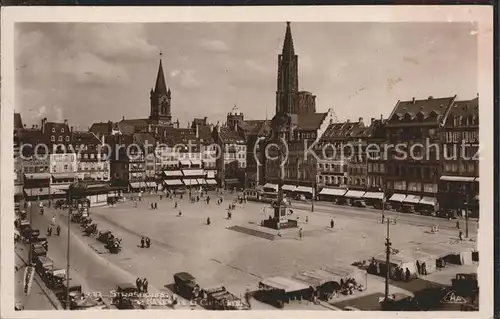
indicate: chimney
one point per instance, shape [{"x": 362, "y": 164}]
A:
[
  {"x": 149, "y": 128},
  {"x": 123, "y": 118},
  {"x": 33, "y": 126},
  {"x": 348, "y": 121},
  {"x": 44, "y": 120},
  {"x": 66, "y": 121},
  {"x": 430, "y": 97},
  {"x": 360, "y": 120},
  {"x": 189, "y": 126},
  {"x": 413, "y": 100},
  {"x": 373, "y": 120},
  {"x": 381, "y": 116}
]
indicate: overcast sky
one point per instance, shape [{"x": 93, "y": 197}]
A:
[{"x": 97, "y": 72}]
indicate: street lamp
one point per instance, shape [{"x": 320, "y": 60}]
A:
[{"x": 388, "y": 245}]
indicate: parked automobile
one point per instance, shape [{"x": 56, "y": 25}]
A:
[
  {"x": 405, "y": 208},
  {"x": 359, "y": 203},
  {"x": 185, "y": 285}
]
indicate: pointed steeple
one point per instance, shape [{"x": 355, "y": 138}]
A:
[
  {"x": 161, "y": 85},
  {"x": 288, "y": 49}
]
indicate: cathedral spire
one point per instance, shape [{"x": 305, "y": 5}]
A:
[
  {"x": 160, "y": 86},
  {"x": 288, "y": 49}
]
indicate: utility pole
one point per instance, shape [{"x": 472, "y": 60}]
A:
[
  {"x": 467, "y": 215},
  {"x": 313, "y": 190},
  {"x": 67, "y": 249},
  {"x": 388, "y": 245},
  {"x": 383, "y": 205}
]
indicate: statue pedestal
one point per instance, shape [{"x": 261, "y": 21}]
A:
[{"x": 280, "y": 219}]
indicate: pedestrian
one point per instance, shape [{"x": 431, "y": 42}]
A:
[
  {"x": 53, "y": 220},
  {"x": 49, "y": 231},
  {"x": 156, "y": 205},
  {"x": 41, "y": 210},
  {"x": 208, "y": 220},
  {"x": 148, "y": 242},
  {"x": 229, "y": 215},
  {"x": 424, "y": 269},
  {"x": 458, "y": 224},
  {"x": 197, "y": 198},
  {"x": 307, "y": 219},
  {"x": 138, "y": 284},
  {"x": 142, "y": 242},
  {"x": 181, "y": 196},
  {"x": 58, "y": 230},
  {"x": 145, "y": 285},
  {"x": 208, "y": 200},
  {"x": 161, "y": 196},
  {"x": 180, "y": 214},
  {"x": 300, "y": 233},
  {"x": 175, "y": 205},
  {"x": 407, "y": 273},
  {"x": 418, "y": 267},
  {"x": 383, "y": 218},
  {"x": 460, "y": 235},
  {"x": 332, "y": 223}
]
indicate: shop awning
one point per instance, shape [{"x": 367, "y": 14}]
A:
[
  {"x": 333, "y": 191},
  {"x": 65, "y": 176},
  {"x": 190, "y": 182},
  {"x": 413, "y": 199},
  {"x": 172, "y": 173},
  {"x": 62, "y": 187},
  {"x": 44, "y": 191},
  {"x": 303, "y": 189},
  {"x": 273, "y": 186},
  {"x": 201, "y": 181},
  {"x": 457, "y": 178},
  {"x": 56, "y": 191},
  {"x": 172, "y": 182},
  {"x": 151, "y": 184},
  {"x": 136, "y": 185},
  {"x": 397, "y": 197},
  {"x": 288, "y": 187},
  {"x": 286, "y": 284},
  {"x": 185, "y": 162},
  {"x": 196, "y": 162},
  {"x": 374, "y": 195},
  {"x": 192, "y": 172},
  {"x": 476, "y": 180},
  {"x": 428, "y": 201},
  {"x": 354, "y": 194},
  {"x": 211, "y": 181},
  {"x": 37, "y": 176}
]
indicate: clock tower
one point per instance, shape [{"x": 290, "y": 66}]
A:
[{"x": 160, "y": 98}]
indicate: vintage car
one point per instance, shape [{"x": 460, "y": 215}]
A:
[
  {"x": 127, "y": 296},
  {"x": 105, "y": 236},
  {"x": 359, "y": 203},
  {"x": 185, "y": 285}
]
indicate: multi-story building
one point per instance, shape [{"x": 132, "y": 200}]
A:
[
  {"x": 57, "y": 135},
  {"x": 255, "y": 133},
  {"x": 63, "y": 171},
  {"x": 414, "y": 168},
  {"x": 356, "y": 163},
  {"x": 298, "y": 126},
  {"x": 231, "y": 156},
  {"x": 18, "y": 161},
  {"x": 376, "y": 156},
  {"x": 128, "y": 166},
  {"x": 459, "y": 183},
  {"x": 93, "y": 163}
]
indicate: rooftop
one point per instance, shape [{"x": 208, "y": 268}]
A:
[{"x": 428, "y": 110}]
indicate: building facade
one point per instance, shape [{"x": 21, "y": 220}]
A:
[
  {"x": 376, "y": 162},
  {"x": 93, "y": 163},
  {"x": 459, "y": 182},
  {"x": 412, "y": 176}
]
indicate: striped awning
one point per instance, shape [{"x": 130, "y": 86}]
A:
[
  {"x": 288, "y": 187},
  {"x": 192, "y": 172},
  {"x": 56, "y": 191},
  {"x": 172, "y": 173},
  {"x": 136, "y": 185},
  {"x": 62, "y": 187},
  {"x": 190, "y": 182},
  {"x": 44, "y": 191},
  {"x": 397, "y": 197},
  {"x": 333, "y": 191},
  {"x": 303, "y": 189},
  {"x": 172, "y": 182},
  {"x": 196, "y": 162},
  {"x": 428, "y": 201},
  {"x": 374, "y": 195},
  {"x": 151, "y": 184},
  {"x": 412, "y": 199},
  {"x": 273, "y": 186},
  {"x": 201, "y": 181},
  {"x": 354, "y": 194},
  {"x": 211, "y": 181},
  {"x": 37, "y": 176},
  {"x": 185, "y": 162}
]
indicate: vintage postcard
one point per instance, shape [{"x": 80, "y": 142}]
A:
[{"x": 247, "y": 161}]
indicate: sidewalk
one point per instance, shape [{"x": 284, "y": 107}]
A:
[{"x": 38, "y": 298}]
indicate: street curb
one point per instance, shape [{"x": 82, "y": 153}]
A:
[{"x": 48, "y": 293}]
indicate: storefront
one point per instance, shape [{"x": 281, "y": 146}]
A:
[{"x": 331, "y": 194}]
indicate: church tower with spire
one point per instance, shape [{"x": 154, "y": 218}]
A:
[
  {"x": 287, "y": 92},
  {"x": 161, "y": 99}
]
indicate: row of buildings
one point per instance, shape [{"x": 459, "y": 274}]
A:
[{"x": 324, "y": 155}]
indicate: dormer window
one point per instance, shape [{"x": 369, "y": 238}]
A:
[
  {"x": 62, "y": 130},
  {"x": 59, "y": 138},
  {"x": 52, "y": 138},
  {"x": 67, "y": 138},
  {"x": 53, "y": 130}
]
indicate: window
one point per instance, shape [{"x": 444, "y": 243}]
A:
[
  {"x": 62, "y": 130},
  {"x": 67, "y": 138},
  {"x": 59, "y": 138},
  {"x": 53, "y": 130},
  {"x": 53, "y": 138},
  {"x": 65, "y": 166}
]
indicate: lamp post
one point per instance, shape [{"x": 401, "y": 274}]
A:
[
  {"x": 383, "y": 204},
  {"x": 467, "y": 215},
  {"x": 388, "y": 245}
]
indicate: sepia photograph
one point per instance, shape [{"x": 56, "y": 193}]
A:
[{"x": 290, "y": 164}]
